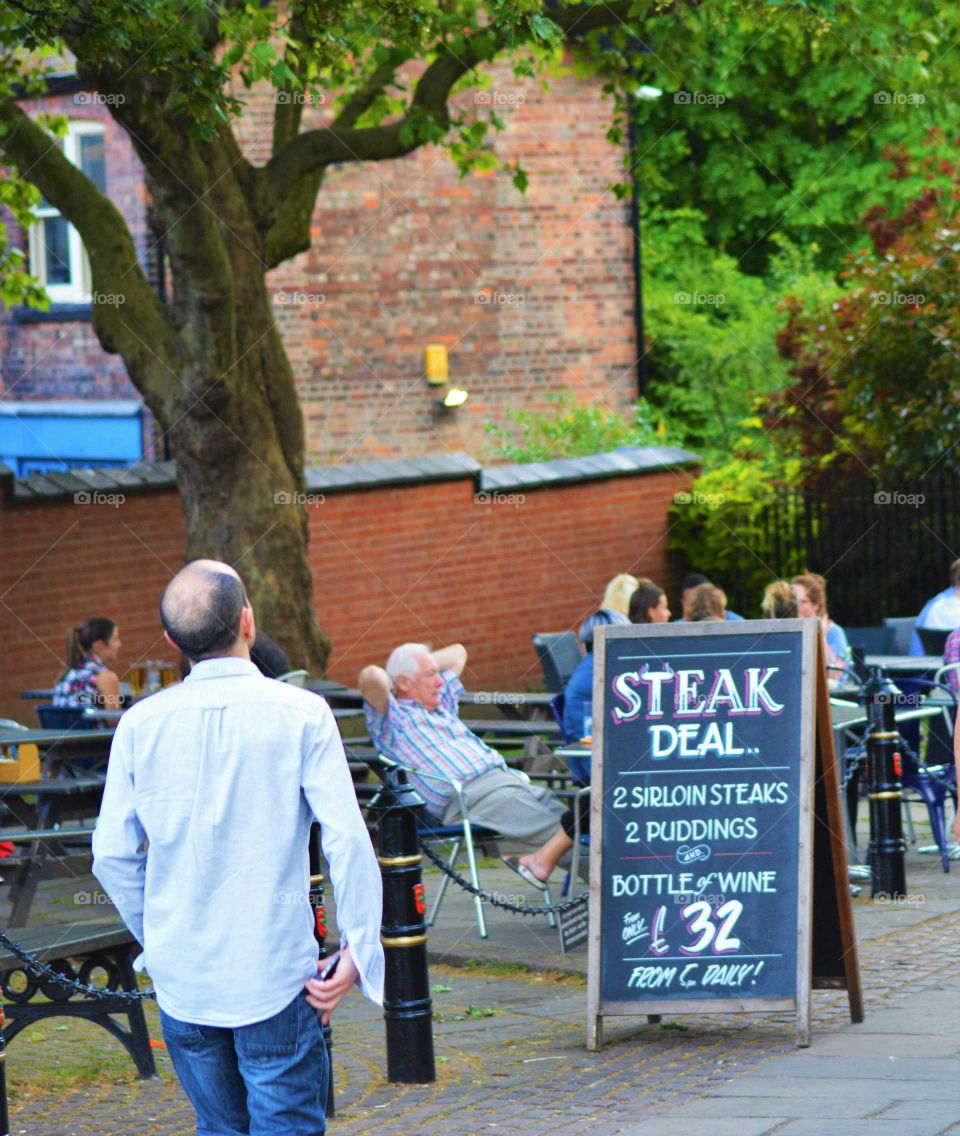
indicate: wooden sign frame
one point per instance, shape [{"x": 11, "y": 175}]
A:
[{"x": 825, "y": 959}]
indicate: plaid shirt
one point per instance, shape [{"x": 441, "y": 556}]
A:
[
  {"x": 435, "y": 741},
  {"x": 78, "y": 687}
]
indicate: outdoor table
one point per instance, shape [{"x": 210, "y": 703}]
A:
[
  {"x": 905, "y": 664},
  {"x": 511, "y": 703},
  {"x": 500, "y": 727},
  {"x": 336, "y": 694},
  {"x": 41, "y": 807}
]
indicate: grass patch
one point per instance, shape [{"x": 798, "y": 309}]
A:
[{"x": 515, "y": 970}]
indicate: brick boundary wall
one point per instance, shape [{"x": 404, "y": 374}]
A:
[{"x": 431, "y": 549}]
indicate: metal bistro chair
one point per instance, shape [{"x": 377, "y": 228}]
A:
[
  {"x": 559, "y": 653},
  {"x": 294, "y": 678},
  {"x": 932, "y": 640},
  {"x": 931, "y": 777},
  {"x": 61, "y": 717},
  {"x": 465, "y": 834},
  {"x": 902, "y": 629}
]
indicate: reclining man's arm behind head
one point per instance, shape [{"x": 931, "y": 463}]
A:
[
  {"x": 374, "y": 684},
  {"x": 452, "y": 658}
]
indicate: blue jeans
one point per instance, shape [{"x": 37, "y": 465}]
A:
[{"x": 267, "y": 1078}]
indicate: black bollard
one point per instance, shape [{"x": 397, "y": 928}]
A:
[
  {"x": 407, "y": 1008},
  {"x": 320, "y": 933},
  {"x": 4, "y": 1115},
  {"x": 887, "y": 849}
]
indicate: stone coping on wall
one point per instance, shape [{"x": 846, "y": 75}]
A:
[{"x": 375, "y": 474}]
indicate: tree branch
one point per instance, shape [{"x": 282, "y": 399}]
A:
[
  {"x": 114, "y": 267},
  {"x": 292, "y": 177}
]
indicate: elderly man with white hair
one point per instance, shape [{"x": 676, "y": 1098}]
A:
[{"x": 411, "y": 712}]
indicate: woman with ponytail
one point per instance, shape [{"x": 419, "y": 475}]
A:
[{"x": 87, "y": 681}]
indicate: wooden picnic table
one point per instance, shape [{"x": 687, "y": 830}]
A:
[
  {"x": 40, "y": 808},
  {"x": 500, "y": 727}
]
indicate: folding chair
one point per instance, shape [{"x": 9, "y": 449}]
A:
[
  {"x": 61, "y": 718},
  {"x": 464, "y": 834}
]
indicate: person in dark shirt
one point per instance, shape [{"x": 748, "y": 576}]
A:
[{"x": 269, "y": 659}]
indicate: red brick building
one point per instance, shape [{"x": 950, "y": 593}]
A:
[{"x": 530, "y": 294}]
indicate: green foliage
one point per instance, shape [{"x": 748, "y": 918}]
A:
[
  {"x": 710, "y": 329},
  {"x": 876, "y": 387},
  {"x": 777, "y": 122},
  {"x": 724, "y": 526},
  {"x": 570, "y": 430}
]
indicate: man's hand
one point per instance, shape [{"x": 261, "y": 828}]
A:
[{"x": 326, "y": 996}]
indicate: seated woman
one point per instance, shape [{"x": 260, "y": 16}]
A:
[
  {"x": 778, "y": 601},
  {"x": 617, "y": 595},
  {"x": 648, "y": 604},
  {"x": 706, "y": 602},
  {"x": 810, "y": 592},
  {"x": 87, "y": 681}
]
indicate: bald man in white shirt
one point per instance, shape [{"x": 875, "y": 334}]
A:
[{"x": 202, "y": 844}]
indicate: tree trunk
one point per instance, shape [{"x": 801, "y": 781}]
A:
[
  {"x": 236, "y": 432},
  {"x": 249, "y": 513}
]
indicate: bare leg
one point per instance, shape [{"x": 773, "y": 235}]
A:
[{"x": 542, "y": 862}]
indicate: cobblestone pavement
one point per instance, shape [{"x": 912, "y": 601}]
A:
[{"x": 523, "y": 1068}]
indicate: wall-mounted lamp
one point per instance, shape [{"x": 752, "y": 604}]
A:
[
  {"x": 435, "y": 365},
  {"x": 454, "y": 398}
]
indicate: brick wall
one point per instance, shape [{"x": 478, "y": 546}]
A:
[
  {"x": 531, "y": 294},
  {"x": 425, "y": 562},
  {"x": 63, "y": 359}
]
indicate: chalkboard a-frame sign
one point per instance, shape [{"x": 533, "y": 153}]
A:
[{"x": 718, "y": 877}]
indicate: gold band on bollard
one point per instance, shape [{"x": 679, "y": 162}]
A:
[
  {"x": 318, "y": 879},
  {"x": 884, "y": 735},
  {"x": 398, "y": 861},
  {"x": 890, "y": 795},
  {"x": 404, "y": 941}
]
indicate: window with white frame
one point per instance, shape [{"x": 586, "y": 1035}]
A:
[{"x": 57, "y": 256}]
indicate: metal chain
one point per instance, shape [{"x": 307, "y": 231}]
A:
[
  {"x": 41, "y": 970},
  {"x": 486, "y": 897}
]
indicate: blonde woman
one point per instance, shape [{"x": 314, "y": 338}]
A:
[{"x": 618, "y": 593}]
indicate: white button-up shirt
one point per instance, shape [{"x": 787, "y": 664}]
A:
[{"x": 222, "y": 777}]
